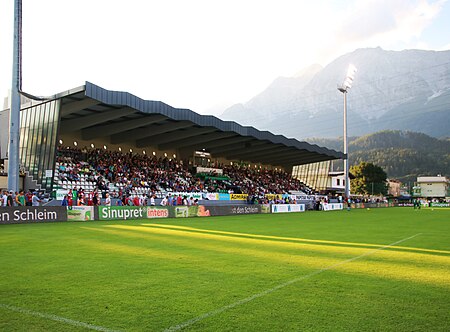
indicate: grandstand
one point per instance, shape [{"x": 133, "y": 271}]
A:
[
  {"x": 89, "y": 133},
  {"x": 141, "y": 174}
]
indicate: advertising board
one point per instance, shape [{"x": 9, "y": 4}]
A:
[
  {"x": 152, "y": 212},
  {"x": 238, "y": 197},
  {"x": 226, "y": 210},
  {"x": 211, "y": 196},
  {"x": 286, "y": 208},
  {"x": 60, "y": 193},
  {"x": 305, "y": 197},
  {"x": 185, "y": 211},
  {"x": 80, "y": 213},
  {"x": 32, "y": 214},
  {"x": 273, "y": 196},
  {"x": 193, "y": 195},
  {"x": 370, "y": 205},
  {"x": 159, "y": 211},
  {"x": 439, "y": 204},
  {"x": 332, "y": 206},
  {"x": 218, "y": 171},
  {"x": 224, "y": 197},
  {"x": 122, "y": 212}
]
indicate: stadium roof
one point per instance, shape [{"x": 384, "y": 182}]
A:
[{"x": 123, "y": 117}]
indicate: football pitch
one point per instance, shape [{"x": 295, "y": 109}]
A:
[{"x": 363, "y": 270}]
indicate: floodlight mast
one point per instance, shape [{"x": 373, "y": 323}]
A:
[
  {"x": 14, "y": 111},
  {"x": 346, "y": 85}
]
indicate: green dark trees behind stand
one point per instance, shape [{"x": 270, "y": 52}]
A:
[
  {"x": 403, "y": 155},
  {"x": 369, "y": 179}
]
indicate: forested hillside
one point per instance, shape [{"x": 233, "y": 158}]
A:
[{"x": 403, "y": 155}]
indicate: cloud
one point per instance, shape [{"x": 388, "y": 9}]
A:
[
  {"x": 367, "y": 19},
  {"x": 388, "y": 21},
  {"x": 201, "y": 53}
]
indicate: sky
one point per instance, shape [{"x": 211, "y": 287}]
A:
[{"x": 205, "y": 55}]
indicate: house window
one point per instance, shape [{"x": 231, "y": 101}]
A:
[{"x": 338, "y": 181}]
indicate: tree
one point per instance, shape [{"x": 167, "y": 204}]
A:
[
  {"x": 369, "y": 179},
  {"x": 403, "y": 155}
]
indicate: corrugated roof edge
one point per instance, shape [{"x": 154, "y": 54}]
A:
[{"x": 120, "y": 98}]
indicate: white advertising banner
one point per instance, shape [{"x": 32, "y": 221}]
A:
[
  {"x": 193, "y": 195},
  {"x": 217, "y": 171},
  {"x": 332, "y": 206},
  {"x": 60, "y": 193},
  {"x": 285, "y": 208},
  {"x": 211, "y": 196},
  {"x": 306, "y": 197}
]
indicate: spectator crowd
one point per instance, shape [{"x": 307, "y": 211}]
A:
[
  {"x": 11, "y": 198},
  {"x": 122, "y": 174}
]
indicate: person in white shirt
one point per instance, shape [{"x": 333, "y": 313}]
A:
[
  {"x": 107, "y": 200},
  {"x": 164, "y": 201},
  {"x": 35, "y": 200},
  {"x": 4, "y": 199},
  {"x": 142, "y": 200},
  {"x": 152, "y": 200}
]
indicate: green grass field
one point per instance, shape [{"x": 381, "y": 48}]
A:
[{"x": 364, "y": 270}]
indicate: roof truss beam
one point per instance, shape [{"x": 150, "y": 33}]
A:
[
  {"x": 182, "y": 135},
  {"x": 227, "y": 142},
  {"x": 94, "y": 119},
  {"x": 236, "y": 148},
  {"x": 151, "y": 139},
  {"x": 273, "y": 156},
  {"x": 196, "y": 143},
  {"x": 255, "y": 152},
  {"x": 118, "y": 127},
  {"x": 143, "y": 135},
  {"x": 75, "y": 106},
  {"x": 301, "y": 159}
]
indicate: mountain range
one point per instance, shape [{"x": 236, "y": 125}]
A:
[{"x": 397, "y": 90}]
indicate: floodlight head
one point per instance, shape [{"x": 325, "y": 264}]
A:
[
  {"x": 347, "y": 84},
  {"x": 351, "y": 71}
]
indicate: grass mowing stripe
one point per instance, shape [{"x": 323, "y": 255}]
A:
[
  {"x": 57, "y": 318},
  {"x": 288, "y": 239},
  {"x": 271, "y": 290}
]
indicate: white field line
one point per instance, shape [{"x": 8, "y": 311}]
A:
[
  {"x": 271, "y": 290},
  {"x": 56, "y": 318}
]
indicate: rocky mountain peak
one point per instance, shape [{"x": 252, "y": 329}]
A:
[{"x": 403, "y": 90}]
